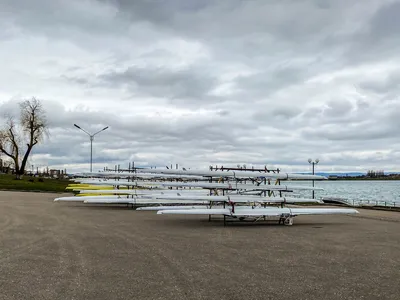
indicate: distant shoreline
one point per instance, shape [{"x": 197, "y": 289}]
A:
[
  {"x": 354, "y": 179},
  {"x": 363, "y": 178}
]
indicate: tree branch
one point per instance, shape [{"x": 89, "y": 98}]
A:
[
  {"x": 6, "y": 153},
  {"x": 13, "y": 140}
]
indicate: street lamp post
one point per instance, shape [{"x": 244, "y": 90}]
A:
[
  {"x": 91, "y": 142},
  {"x": 310, "y": 161}
]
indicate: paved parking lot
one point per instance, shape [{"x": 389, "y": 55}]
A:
[{"x": 73, "y": 251}]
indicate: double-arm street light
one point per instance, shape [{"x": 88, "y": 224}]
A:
[
  {"x": 91, "y": 141},
  {"x": 310, "y": 161}
]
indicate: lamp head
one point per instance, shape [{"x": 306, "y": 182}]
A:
[
  {"x": 104, "y": 128},
  {"x": 317, "y": 160},
  {"x": 77, "y": 126},
  {"x": 310, "y": 160}
]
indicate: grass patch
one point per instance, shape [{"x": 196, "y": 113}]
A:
[{"x": 28, "y": 183}]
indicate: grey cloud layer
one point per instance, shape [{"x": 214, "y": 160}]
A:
[
  {"x": 187, "y": 84},
  {"x": 200, "y": 82}
]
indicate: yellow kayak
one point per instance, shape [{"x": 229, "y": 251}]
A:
[{"x": 90, "y": 187}]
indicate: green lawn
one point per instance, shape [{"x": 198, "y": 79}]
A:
[{"x": 8, "y": 182}]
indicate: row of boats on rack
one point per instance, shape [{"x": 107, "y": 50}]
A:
[{"x": 235, "y": 195}]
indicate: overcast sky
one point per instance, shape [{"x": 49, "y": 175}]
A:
[{"x": 205, "y": 82}]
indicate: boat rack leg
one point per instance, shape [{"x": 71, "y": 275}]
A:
[
  {"x": 288, "y": 221},
  {"x": 259, "y": 218}
]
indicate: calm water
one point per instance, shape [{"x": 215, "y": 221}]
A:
[{"x": 356, "y": 190}]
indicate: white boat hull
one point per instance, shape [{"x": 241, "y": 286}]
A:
[
  {"x": 208, "y": 185},
  {"x": 239, "y": 211}
]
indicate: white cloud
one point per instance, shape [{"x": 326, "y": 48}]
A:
[{"x": 208, "y": 82}]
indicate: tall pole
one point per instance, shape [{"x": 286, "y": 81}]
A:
[
  {"x": 91, "y": 152},
  {"x": 313, "y": 172},
  {"x": 313, "y": 192},
  {"x": 91, "y": 136}
]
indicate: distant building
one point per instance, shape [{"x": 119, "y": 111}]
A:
[
  {"x": 57, "y": 173},
  {"x": 54, "y": 173}
]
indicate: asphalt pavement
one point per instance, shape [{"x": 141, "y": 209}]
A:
[{"x": 51, "y": 250}]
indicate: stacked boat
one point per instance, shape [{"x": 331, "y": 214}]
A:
[{"x": 235, "y": 195}]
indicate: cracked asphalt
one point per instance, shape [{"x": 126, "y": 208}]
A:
[{"x": 51, "y": 250}]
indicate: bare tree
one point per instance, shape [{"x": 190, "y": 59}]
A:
[{"x": 29, "y": 131}]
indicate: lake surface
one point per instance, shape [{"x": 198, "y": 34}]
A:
[{"x": 355, "y": 190}]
